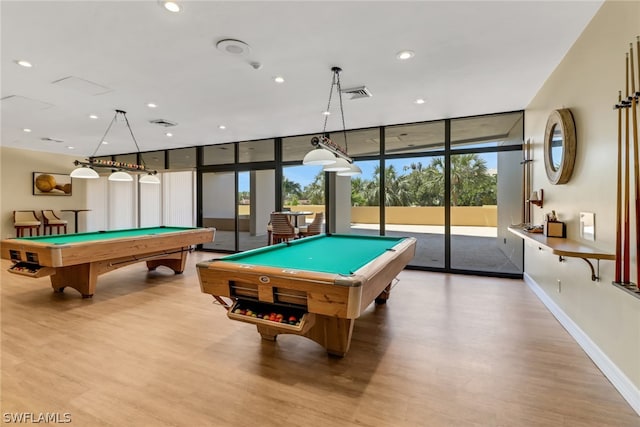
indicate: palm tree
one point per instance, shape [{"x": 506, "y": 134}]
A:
[
  {"x": 290, "y": 190},
  {"x": 314, "y": 192}
]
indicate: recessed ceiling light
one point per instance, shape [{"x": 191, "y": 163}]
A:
[
  {"x": 171, "y": 6},
  {"x": 26, "y": 130},
  {"x": 93, "y": 116},
  {"x": 326, "y": 113},
  {"x": 278, "y": 79},
  {"x": 105, "y": 142},
  {"x": 71, "y": 148},
  {"x": 223, "y": 127},
  {"x": 169, "y": 134},
  {"x": 405, "y": 54},
  {"x": 151, "y": 105},
  {"x": 419, "y": 101},
  {"x": 24, "y": 63}
]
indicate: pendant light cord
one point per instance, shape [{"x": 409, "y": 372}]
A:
[
  {"x": 124, "y": 114},
  {"x": 335, "y": 81}
]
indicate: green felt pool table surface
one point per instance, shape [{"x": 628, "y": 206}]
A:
[
  {"x": 61, "y": 239},
  {"x": 336, "y": 253}
]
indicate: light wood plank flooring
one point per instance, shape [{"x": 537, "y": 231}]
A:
[{"x": 151, "y": 350}]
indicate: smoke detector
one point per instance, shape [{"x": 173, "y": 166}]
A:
[
  {"x": 233, "y": 47},
  {"x": 162, "y": 122},
  {"x": 47, "y": 139},
  {"x": 358, "y": 92}
]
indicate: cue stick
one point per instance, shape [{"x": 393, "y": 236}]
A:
[
  {"x": 618, "y": 273},
  {"x": 634, "y": 116},
  {"x": 625, "y": 266}
]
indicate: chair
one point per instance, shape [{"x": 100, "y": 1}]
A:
[
  {"x": 52, "y": 220},
  {"x": 26, "y": 220},
  {"x": 281, "y": 228},
  {"x": 314, "y": 228}
]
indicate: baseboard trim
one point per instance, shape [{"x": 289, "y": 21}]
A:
[{"x": 619, "y": 380}]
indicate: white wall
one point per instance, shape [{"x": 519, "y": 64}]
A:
[
  {"x": 263, "y": 196},
  {"x": 341, "y": 204},
  {"x": 218, "y": 195},
  {"x": 587, "y": 82},
  {"x": 16, "y": 186}
]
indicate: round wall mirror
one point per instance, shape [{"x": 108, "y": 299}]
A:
[{"x": 560, "y": 146}]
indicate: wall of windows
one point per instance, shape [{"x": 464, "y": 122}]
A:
[{"x": 452, "y": 184}]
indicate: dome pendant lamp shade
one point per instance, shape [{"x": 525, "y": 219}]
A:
[
  {"x": 353, "y": 170},
  {"x": 149, "y": 179},
  {"x": 84, "y": 173},
  {"x": 120, "y": 177},
  {"x": 319, "y": 156},
  {"x": 339, "y": 166}
]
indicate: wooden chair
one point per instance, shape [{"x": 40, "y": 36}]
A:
[
  {"x": 52, "y": 220},
  {"x": 26, "y": 220},
  {"x": 281, "y": 228},
  {"x": 314, "y": 228}
]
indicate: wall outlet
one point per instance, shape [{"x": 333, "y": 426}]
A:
[{"x": 559, "y": 286}]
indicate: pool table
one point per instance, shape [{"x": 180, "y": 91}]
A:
[
  {"x": 76, "y": 260},
  {"x": 317, "y": 285}
]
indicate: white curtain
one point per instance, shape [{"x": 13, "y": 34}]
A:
[
  {"x": 119, "y": 205},
  {"x": 179, "y": 198},
  {"x": 122, "y": 204},
  {"x": 151, "y": 203}
]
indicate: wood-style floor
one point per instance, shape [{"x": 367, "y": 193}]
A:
[{"x": 151, "y": 350}]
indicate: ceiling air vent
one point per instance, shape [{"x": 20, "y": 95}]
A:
[
  {"x": 162, "y": 122},
  {"x": 47, "y": 139},
  {"x": 358, "y": 92}
]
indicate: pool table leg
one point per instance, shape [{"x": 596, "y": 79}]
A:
[
  {"x": 384, "y": 295},
  {"x": 176, "y": 262},
  {"x": 333, "y": 333},
  {"x": 81, "y": 277}
]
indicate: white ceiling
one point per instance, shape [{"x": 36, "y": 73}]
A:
[{"x": 472, "y": 57}]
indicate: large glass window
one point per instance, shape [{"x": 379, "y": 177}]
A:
[
  {"x": 414, "y": 138},
  {"x": 220, "y": 154},
  {"x": 294, "y": 148},
  {"x": 182, "y": 158},
  {"x": 414, "y": 206},
  {"x": 153, "y": 159},
  {"x": 255, "y": 151},
  {"x": 303, "y": 191},
  {"x": 131, "y": 159},
  {"x": 219, "y": 210},
  {"x": 256, "y": 201},
  {"x": 495, "y": 130},
  {"x": 365, "y": 199},
  {"x": 365, "y": 142}
]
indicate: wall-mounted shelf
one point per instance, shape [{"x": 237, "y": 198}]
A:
[{"x": 564, "y": 247}]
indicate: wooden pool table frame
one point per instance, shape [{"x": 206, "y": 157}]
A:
[
  {"x": 78, "y": 264},
  {"x": 332, "y": 301}
]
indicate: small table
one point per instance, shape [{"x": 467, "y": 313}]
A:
[
  {"x": 296, "y": 216},
  {"x": 75, "y": 212}
]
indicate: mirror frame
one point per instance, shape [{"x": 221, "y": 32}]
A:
[{"x": 561, "y": 119}]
